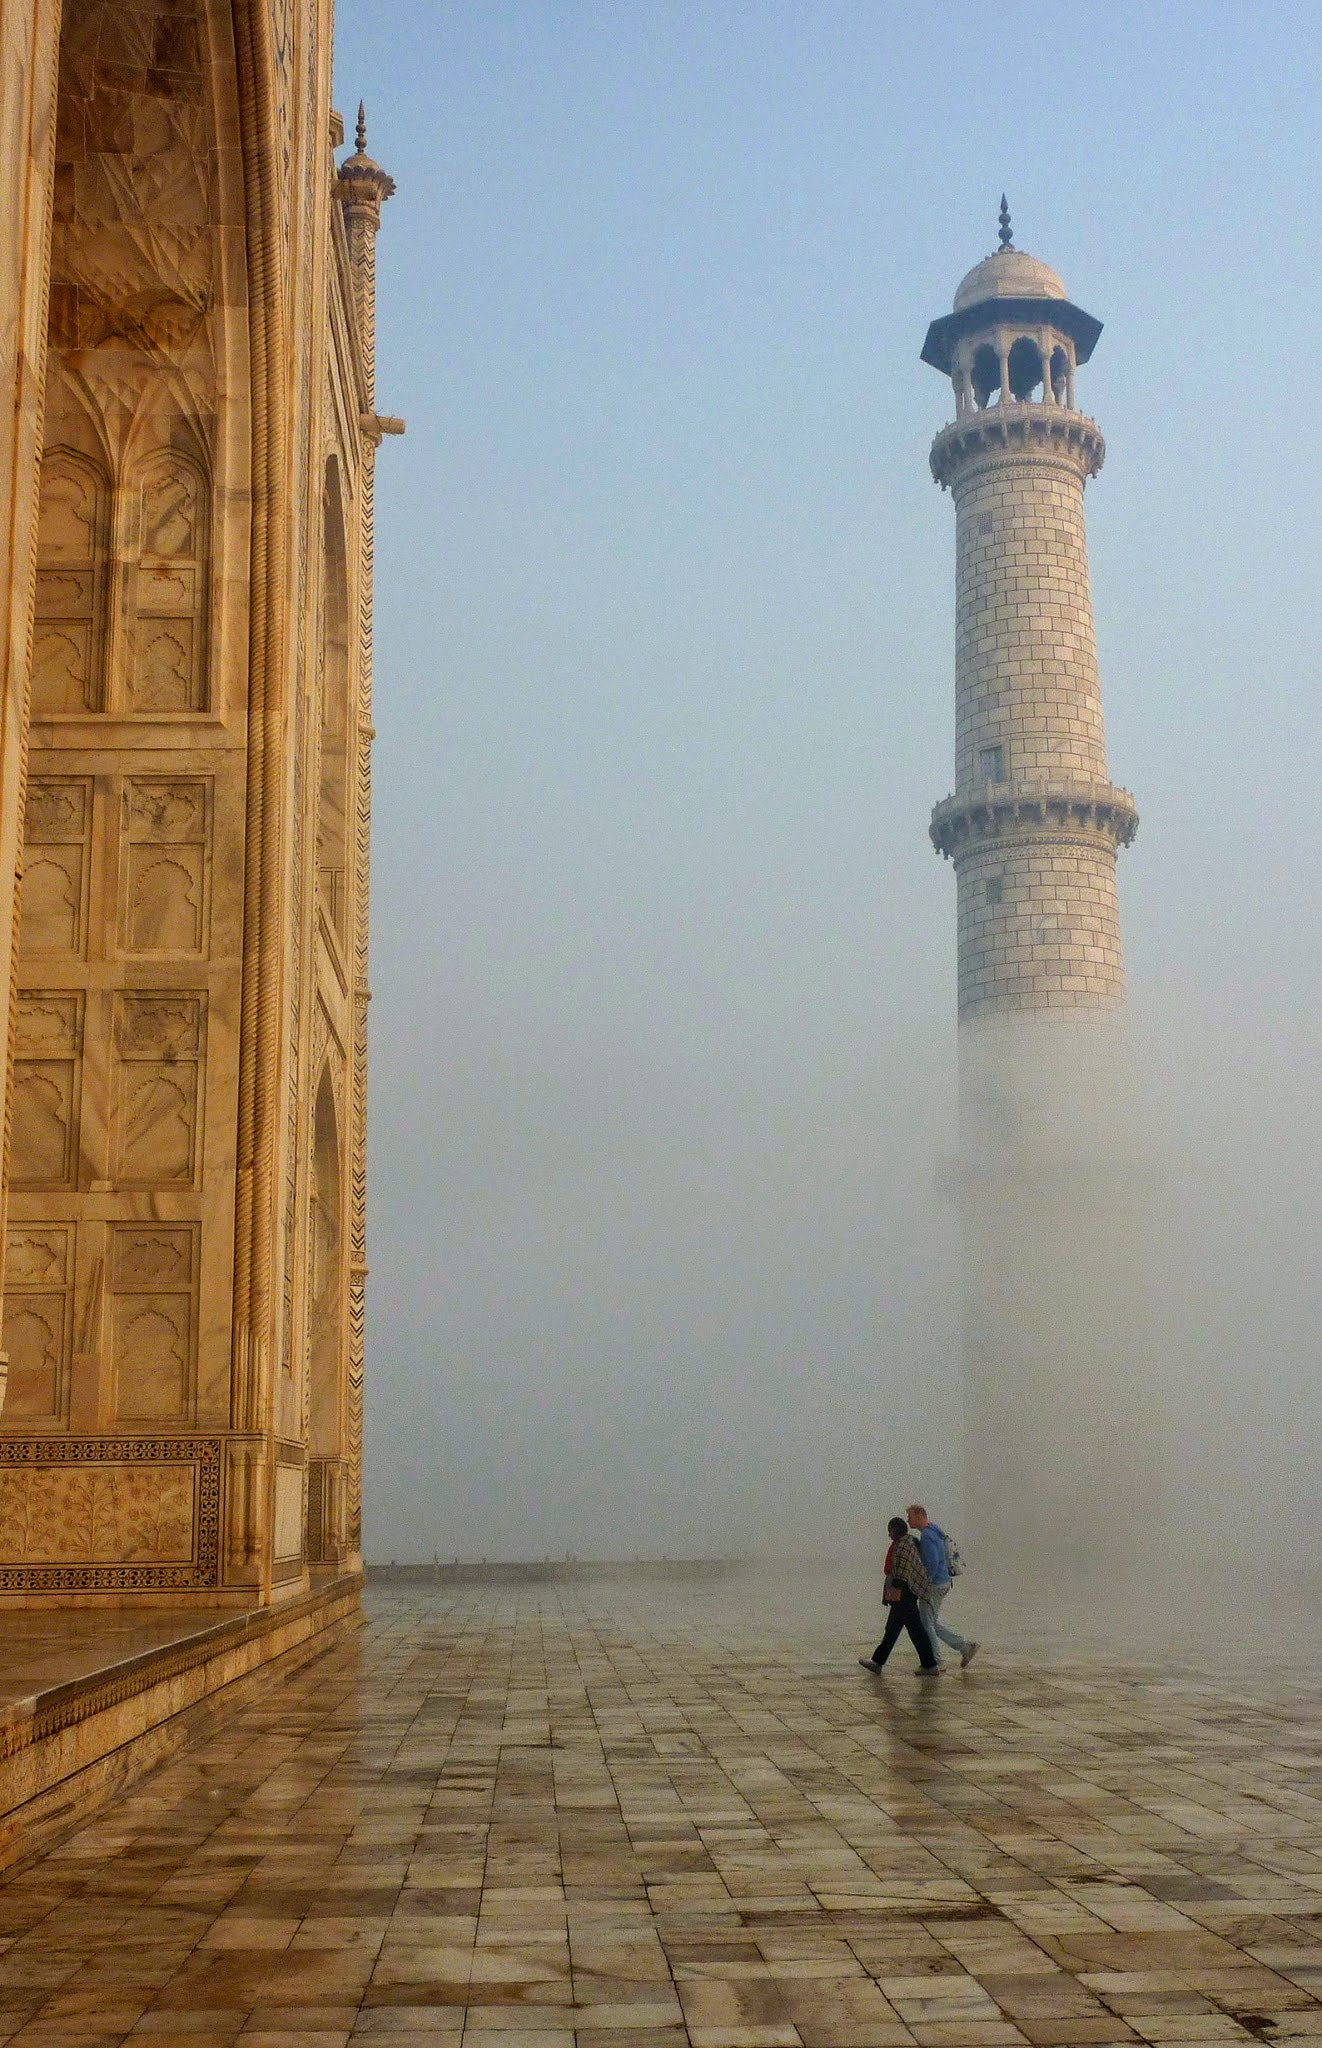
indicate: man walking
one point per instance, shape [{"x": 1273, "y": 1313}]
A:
[
  {"x": 931, "y": 1539},
  {"x": 905, "y": 1583}
]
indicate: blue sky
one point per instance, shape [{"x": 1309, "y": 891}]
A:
[{"x": 663, "y": 1029}]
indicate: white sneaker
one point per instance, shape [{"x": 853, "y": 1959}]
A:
[
  {"x": 869, "y": 1664},
  {"x": 966, "y": 1655}
]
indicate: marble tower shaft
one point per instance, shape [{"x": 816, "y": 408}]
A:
[{"x": 1034, "y": 823}]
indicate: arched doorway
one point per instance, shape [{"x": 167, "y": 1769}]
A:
[{"x": 326, "y": 1334}]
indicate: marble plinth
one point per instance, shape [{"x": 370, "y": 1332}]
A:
[{"x": 89, "y": 1701}]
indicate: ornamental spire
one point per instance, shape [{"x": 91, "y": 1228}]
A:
[
  {"x": 363, "y": 183},
  {"x": 1006, "y": 242}
]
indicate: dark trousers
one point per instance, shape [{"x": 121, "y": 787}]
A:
[{"x": 905, "y": 1615}]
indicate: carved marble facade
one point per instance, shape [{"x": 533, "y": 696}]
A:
[{"x": 188, "y": 282}]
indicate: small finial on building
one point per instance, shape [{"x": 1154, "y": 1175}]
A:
[
  {"x": 362, "y": 138},
  {"x": 1006, "y": 242}
]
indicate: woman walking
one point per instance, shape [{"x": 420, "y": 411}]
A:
[{"x": 906, "y": 1583}]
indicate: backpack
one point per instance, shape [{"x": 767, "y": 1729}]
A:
[{"x": 954, "y": 1562}]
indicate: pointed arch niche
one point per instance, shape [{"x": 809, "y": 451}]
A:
[
  {"x": 169, "y": 505},
  {"x": 69, "y": 638}
]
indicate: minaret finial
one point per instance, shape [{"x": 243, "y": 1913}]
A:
[
  {"x": 362, "y": 133},
  {"x": 1006, "y": 243}
]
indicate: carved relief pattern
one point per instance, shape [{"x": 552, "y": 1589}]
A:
[
  {"x": 153, "y": 1318},
  {"x": 96, "y": 1516},
  {"x": 38, "y": 1323},
  {"x": 109, "y": 1514},
  {"x": 67, "y": 646},
  {"x": 147, "y": 1257},
  {"x": 56, "y": 832},
  {"x": 167, "y": 829},
  {"x": 44, "y": 1129},
  {"x": 157, "y": 1094}
]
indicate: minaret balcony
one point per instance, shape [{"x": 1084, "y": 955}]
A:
[
  {"x": 1027, "y": 428},
  {"x": 1016, "y": 811}
]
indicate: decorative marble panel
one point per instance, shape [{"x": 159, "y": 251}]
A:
[
  {"x": 159, "y": 1024},
  {"x": 109, "y": 1514},
  {"x": 166, "y": 809},
  {"x": 48, "y": 1023},
  {"x": 61, "y": 654},
  {"x": 157, "y": 1127},
  {"x": 327, "y": 1500},
  {"x": 43, "y": 1145},
  {"x": 38, "y": 1322},
  {"x": 167, "y": 671},
  {"x": 44, "y": 1128},
  {"x": 71, "y": 546},
  {"x": 167, "y": 829},
  {"x": 144, "y": 1256},
  {"x": 56, "y": 832},
  {"x": 152, "y": 1351},
  {"x": 289, "y": 1511},
  {"x": 153, "y": 1321},
  {"x": 96, "y": 1516},
  {"x": 157, "y": 1089},
  {"x": 69, "y": 520}
]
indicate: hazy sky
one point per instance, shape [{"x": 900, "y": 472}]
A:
[{"x": 663, "y": 1033}]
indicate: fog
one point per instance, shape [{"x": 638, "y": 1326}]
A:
[{"x": 664, "y": 1087}]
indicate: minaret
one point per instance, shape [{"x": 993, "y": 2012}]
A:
[
  {"x": 363, "y": 188},
  {"x": 1035, "y": 822},
  {"x": 1032, "y": 830}
]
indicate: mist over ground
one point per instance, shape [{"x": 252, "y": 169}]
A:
[{"x": 663, "y": 1044}]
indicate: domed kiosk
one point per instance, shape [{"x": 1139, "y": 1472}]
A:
[{"x": 1013, "y": 333}]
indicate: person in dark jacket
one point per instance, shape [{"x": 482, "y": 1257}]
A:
[{"x": 906, "y": 1583}]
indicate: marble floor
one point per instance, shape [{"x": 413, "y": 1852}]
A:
[{"x": 627, "y": 1817}]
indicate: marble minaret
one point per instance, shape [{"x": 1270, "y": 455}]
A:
[{"x": 1033, "y": 829}]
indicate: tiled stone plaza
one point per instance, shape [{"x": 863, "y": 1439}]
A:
[{"x": 616, "y": 1815}]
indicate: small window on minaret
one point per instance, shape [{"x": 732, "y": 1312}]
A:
[
  {"x": 995, "y": 889},
  {"x": 993, "y": 764}
]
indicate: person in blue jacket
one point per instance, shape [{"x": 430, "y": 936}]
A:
[{"x": 931, "y": 1540}]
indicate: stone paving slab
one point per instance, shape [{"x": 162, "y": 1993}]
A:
[{"x": 624, "y": 1818}]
